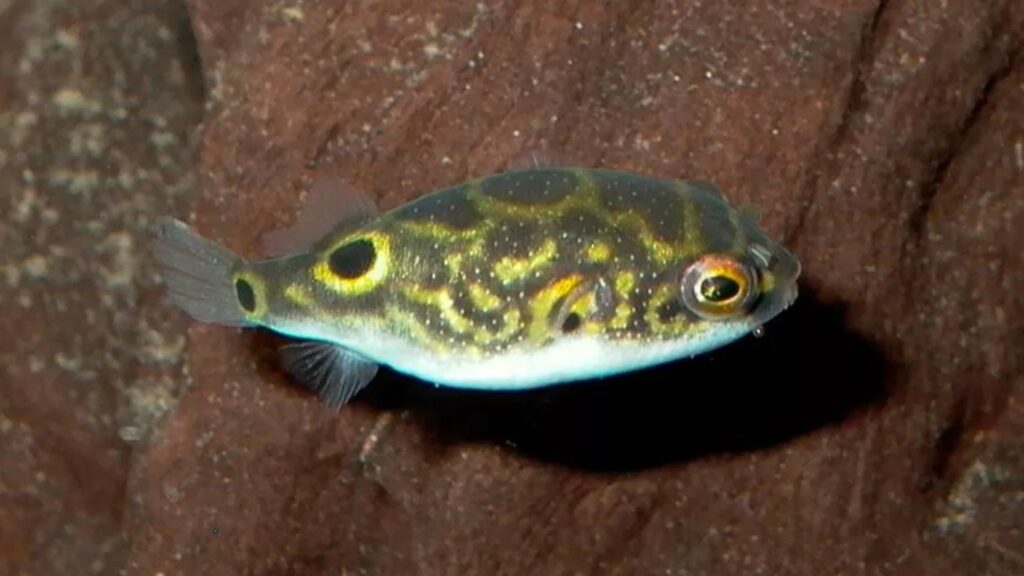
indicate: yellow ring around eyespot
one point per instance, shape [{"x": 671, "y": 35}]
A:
[
  {"x": 368, "y": 281},
  {"x": 259, "y": 294}
]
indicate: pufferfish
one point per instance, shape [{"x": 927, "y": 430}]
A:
[{"x": 514, "y": 281}]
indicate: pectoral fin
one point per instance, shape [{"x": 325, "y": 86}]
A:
[{"x": 333, "y": 372}]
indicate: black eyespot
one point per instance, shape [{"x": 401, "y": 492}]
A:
[
  {"x": 669, "y": 310},
  {"x": 353, "y": 259},
  {"x": 246, "y": 296},
  {"x": 571, "y": 323},
  {"x": 719, "y": 288}
]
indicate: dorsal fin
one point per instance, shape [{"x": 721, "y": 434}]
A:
[
  {"x": 331, "y": 204},
  {"x": 540, "y": 158},
  {"x": 749, "y": 213},
  {"x": 333, "y": 372}
]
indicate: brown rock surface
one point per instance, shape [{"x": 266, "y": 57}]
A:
[
  {"x": 876, "y": 429},
  {"x": 98, "y": 103}
]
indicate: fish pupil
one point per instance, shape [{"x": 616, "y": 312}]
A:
[
  {"x": 246, "y": 296},
  {"x": 719, "y": 288},
  {"x": 353, "y": 259},
  {"x": 571, "y": 323}
]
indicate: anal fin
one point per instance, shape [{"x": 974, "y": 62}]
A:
[{"x": 334, "y": 373}]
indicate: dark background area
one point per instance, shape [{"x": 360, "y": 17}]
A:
[{"x": 876, "y": 428}]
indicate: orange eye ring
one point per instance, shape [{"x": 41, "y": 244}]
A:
[{"x": 718, "y": 286}]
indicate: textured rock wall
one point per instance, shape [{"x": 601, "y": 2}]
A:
[
  {"x": 876, "y": 429},
  {"x": 98, "y": 105}
]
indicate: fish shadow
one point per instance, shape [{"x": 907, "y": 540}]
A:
[{"x": 808, "y": 371}]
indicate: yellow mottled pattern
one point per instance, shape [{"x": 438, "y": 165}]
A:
[
  {"x": 441, "y": 299},
  {"x": 625, "y": 281},
  {"x": 598, "y": 252},
  {"x": 482, "y": 298},
  {"x": 662, "y": 252},
  {"x": 584, "y": 306},
  {"x": 299, "y": 295},
  {"x": 409, "y": 325},
  {"x": 454, "y": 263},
  {"x": 693, "y": 243},
  {"x": 492, "y": 276},
  {"x": 510, "y": 269},
  {"x": 510, "y": 324},
  {"x": 662, "y": 295}
]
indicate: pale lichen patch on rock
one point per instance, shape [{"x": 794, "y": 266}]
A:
[
  {"x": 160, "y": 348},
  {"x": 148, "y": 402},
  {"x": 88, "y": 139},
  {"x": 123, "y": 264},
  {"x": 36, "y": 266},
  {"x": 292, "y": 13},
  {"x": 69, "y": 100},
  {"x": 81, "y": 181},
  {"x": 959, "y": 509}
]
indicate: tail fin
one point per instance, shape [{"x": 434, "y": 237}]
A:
[{"x": 198, "y": 274}]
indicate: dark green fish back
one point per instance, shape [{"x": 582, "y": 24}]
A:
[{"x": 526, "y": 256}]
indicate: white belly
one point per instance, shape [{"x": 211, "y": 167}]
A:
[{"x": 566, "y": 359}]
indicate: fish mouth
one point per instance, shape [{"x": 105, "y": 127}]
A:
[
  {"x": 784, "y": 270},
  {"x": 772, "y": 304}
]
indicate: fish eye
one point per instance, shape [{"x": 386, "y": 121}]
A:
[
  {"x": 352, "y": 260},
  {"x": 718, "y": 286},
  {"x": 718, "y": 289}
]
